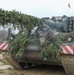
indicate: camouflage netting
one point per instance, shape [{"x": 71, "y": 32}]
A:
[
  {"x": 49, "y": 49},
  {"x": 33, "y": 31}
]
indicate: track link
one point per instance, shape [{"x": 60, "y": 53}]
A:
[
  {"x": 68, "y": 64},
  {"x": 9, "y": 58}
]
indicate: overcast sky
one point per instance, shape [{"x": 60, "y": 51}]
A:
[{"x": 40, "y": 8}]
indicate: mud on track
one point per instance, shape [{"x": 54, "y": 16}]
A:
[{"x": 36, "y": 70}]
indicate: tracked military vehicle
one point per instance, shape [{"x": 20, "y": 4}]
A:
[{"x": 50, "y": 43}]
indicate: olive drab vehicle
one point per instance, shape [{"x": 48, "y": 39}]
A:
[{"x": 50, "y": 43}]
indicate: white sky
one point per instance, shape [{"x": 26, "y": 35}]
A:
[{"x": 40, "y": 8}]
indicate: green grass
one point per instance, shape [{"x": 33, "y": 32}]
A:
[{"x": 3, "y": 61}]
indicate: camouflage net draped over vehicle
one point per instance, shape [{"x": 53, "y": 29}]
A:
[
  {"x": 63, "y": 37},
  {"x": 50, "y": 49},
  {"x": 17, "y": 44}
]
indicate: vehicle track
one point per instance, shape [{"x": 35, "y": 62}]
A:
[
  {"x": 68, "y": 64},
  {"x": 9, "y": 58}
]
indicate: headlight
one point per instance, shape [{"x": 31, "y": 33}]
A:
[
  {"x": 11, "y": 38},
  {"x": 69, "y": 39}
]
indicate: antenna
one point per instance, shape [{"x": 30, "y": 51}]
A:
[{"x": 69, "y": 8}]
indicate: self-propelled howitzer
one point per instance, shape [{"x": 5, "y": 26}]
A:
[{"x": 51, "y": 44}]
